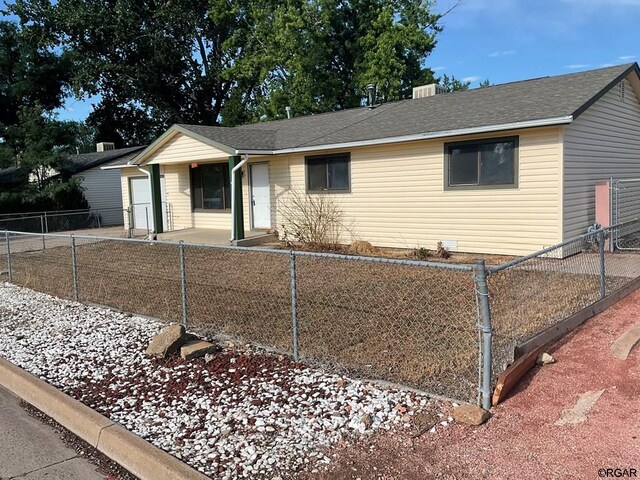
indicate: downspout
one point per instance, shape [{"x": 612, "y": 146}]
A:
[
  {"x": 148, "y": 174},
  {"x": 233, "y": 195}
]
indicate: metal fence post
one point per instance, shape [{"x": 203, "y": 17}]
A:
[
  {"x": 9, "y": 272},
  {"x": 603, "y": 276},
  {"x": 46, "y": 223},
  {"x": 484, "y": 325},
  {"x": 183, "y": 283},
  {"x": 146, "y": 214},
  {"x": 74, "y": 265},
  {"x": 44, "y": 245},
  {"x": 294, "y": 304}
]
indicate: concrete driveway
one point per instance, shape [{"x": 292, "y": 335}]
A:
[{"x": 31, "y": 450}]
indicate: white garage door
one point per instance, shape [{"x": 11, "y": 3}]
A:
[{"x": 141, "y": 213}]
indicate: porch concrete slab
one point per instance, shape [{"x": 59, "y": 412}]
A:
[
  {"x": 205, "y": 236},
  {"x": 30, "y": 449}
]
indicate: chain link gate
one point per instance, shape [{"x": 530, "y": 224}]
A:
[{"x": 625, "y": 207}]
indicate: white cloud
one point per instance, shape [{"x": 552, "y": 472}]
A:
[
  {"x": 502, "y": 53},
  {"x": 627, "y": 57},
  {"x": 576, "y": 66},
  {"x": 472, "y": 78},
  {"x": 438, "y": 69}
]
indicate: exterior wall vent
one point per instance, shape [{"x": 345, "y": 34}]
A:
[
  {"x": 451, "y": 245},
  {"x": 428, "y": 90},
  {"x": 105, "y": 146}
]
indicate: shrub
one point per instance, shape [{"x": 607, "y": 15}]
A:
[
  {"x": 362, "y": 247},
  {"x": 421, "y": 253},
  {"x": 314, "y": 220},
  {"x": 442, "y": 251}
]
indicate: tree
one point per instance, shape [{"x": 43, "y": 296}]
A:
[
  {"x": 452, "y": 84},
  {"x": 42, "y": 159},
  {"x": 159, "y": 62},
  {"x": 31, "y": 74},
  {"x": 485, "y": 83}
]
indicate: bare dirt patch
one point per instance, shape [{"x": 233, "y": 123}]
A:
[
  {"x": 522, "y": 441},
  {"x": 406, "y": 324}
]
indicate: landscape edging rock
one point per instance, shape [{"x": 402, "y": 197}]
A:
[{"x": 135, "y": 454}]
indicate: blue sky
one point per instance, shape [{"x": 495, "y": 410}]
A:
[{"x": 507, "y": 40}]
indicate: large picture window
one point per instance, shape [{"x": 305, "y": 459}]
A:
[
  {"x": 328, "y": 173},
  {"x": 484, "y": 163},
  {"x": 210, "y": 187}
]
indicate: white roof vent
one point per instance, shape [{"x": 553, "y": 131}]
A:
[
  {"x": 428, "y": 90},
  {"x": 105, "y": 146}
]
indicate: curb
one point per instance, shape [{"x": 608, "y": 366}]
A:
[{"x": 138, "y": 456}]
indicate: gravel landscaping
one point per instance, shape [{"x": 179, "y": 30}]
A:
[{"x": 244, "y": 413}]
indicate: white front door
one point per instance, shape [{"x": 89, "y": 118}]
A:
[
  {"x": 141, "y": 213},
  {"x": 260, "y": 197}
]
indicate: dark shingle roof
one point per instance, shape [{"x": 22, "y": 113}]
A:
[
  {"x": 523, "y": 101},
  {"x": 10, "y": 175},
  {"x": 79, "y": 163},
  {"x": 85, "y": 161}
]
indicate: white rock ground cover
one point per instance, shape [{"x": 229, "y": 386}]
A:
[{"x": 243, "y": 414}]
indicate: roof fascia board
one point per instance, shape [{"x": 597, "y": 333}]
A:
[
  {"x": 429, "y": 136},
  {"x": 115, "y": 167},
  {"x": 610, "y": 85}
]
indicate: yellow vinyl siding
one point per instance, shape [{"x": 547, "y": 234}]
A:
[
  {"x": 184, "y": 149},
  {"x": 398, "y": 199}
]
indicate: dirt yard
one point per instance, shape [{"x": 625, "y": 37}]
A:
[
  {"x": 406, "y": 324},
  {"x": 525, "y": 439}
]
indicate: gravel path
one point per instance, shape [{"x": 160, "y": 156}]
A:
[{"x": 243, "y": 414}]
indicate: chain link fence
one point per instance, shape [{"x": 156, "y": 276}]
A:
[
  {"x": 448, "y": 329},
  {"x": 625, "y": 208},
  {"x": 408, "y": 322},
  {"x": 535, "y": 293},
  {"x": 62, "y": 221}
]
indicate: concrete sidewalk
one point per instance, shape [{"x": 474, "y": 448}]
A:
[{"x": 31, "y": 450}]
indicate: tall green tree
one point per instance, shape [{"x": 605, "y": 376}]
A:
[
  {"x": 32, "y": 75},
  {"x": 452, "y": 84},
  {"x": 158, "y": 62},
  {"x": 34, "y": 80},
  {"x": 42, "y": 182},
  {"x": 335, "y": 48}
]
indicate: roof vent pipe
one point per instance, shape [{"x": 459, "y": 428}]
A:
[
  {"x": 288, "y": 109},
  {"x": 371, "y": 88}
]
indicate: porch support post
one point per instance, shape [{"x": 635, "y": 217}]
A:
[
  {"x": 238, "y": 217},
  {"x": 156, "y": 198}
]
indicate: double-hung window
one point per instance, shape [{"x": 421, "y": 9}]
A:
[
  {"x": 482, "y": 163},
  {"x": 210, "y": 187},
  {"x": 328, "y": 173}
]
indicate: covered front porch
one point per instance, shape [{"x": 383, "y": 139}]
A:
[
  {"x": 187, "y": 187},
  {"x": 210, "y": 236}
]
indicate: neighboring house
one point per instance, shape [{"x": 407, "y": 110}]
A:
[
  {"x": 102, "y": 186},
  {"x": 507, "y": 169},
  {"x": 10, "y": 177}
]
